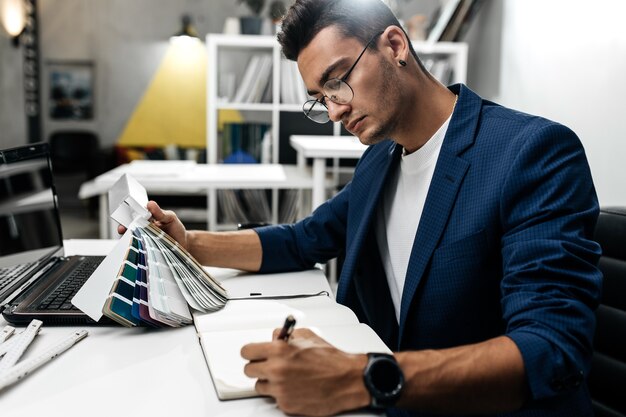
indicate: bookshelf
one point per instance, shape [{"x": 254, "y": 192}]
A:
[{"x": 248, "y": 76}]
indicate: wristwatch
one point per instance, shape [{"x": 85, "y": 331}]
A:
[{"x": 383, "y": 379}]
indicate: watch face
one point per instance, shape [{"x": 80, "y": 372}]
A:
[
  {"x": 385, "y": 376},
  {"x": 383, "y": 379}
]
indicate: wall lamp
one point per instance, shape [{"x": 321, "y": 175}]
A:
[{"x": 13, "y": 15}]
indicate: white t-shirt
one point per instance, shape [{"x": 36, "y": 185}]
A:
[{"x": 400, "y": 211}]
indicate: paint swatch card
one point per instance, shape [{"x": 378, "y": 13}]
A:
[{"x": 153, "y": 280}]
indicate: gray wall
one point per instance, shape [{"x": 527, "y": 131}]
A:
[
  {"x": 126, "y": 41},
  {"x": 564, "y": 60},
  {"x": 12, "y": 118}
]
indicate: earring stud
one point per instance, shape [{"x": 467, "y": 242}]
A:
[{"x": 403, "y": 63}]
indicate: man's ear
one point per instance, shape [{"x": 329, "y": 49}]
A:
[{"x": 396, "y": 43}]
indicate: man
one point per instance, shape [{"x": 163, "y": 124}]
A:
[{"x": 466, "y": 232}]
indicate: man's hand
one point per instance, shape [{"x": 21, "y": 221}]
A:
[
  {"x": 307, "y": 375},
  {"x": 167, "y": 221}
]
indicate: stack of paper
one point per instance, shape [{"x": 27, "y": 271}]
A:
[{"x": 148, "y": 278}]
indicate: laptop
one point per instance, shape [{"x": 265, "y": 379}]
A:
[{"x": 37, "y": 281}]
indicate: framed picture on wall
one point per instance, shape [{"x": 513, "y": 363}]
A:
[{"x": 71, "y": 95}]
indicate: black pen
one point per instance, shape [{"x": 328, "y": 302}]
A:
[{"x": 285, "y": 332}]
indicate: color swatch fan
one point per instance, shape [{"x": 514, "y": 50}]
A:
[{"x": 148, "y": 278}]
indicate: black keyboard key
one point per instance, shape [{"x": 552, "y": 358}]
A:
[{"x": 60, "y": 298}]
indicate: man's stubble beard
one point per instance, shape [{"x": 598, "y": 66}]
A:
[{"x": 387, "y": 98}]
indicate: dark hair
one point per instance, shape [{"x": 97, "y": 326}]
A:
[{"x": 360, "y": 19}]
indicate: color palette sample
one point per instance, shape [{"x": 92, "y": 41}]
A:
[{"x": 158, "y": 281}]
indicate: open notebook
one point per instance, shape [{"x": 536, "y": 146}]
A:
[{"x": 223, "y": 333}]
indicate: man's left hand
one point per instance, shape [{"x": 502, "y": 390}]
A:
[{"x": 307, "y": 375}]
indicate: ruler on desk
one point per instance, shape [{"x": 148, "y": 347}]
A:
[
  {"x": 11, "y": 351},
  {"x": 6, "y": 333}
]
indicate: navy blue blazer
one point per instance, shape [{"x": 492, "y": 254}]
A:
[{"x": 503, "y": 247}]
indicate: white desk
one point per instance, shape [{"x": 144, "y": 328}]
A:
[
  {"x": 117, "y": 371},
  {"x": 321, "y": 148},
  {"x": 187, "y": 177}
]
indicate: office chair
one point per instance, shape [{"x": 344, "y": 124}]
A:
[
  {"x": 76, "y": 158},
  {"x": 607, "y": 379}
]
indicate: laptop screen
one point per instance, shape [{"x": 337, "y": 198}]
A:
[{"x": 30, "y": 229}]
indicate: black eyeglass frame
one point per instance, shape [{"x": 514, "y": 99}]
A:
[{"x": 343, "y": 79}]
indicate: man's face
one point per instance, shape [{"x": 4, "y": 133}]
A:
[{"x": 371, "y": 115}]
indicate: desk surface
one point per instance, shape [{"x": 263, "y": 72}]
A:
[
  {"x": 179, "y": 177},
  {"x": 123, "y": 372},
  {"x": 319, "y": 146}
]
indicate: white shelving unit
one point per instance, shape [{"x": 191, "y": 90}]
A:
[{"x": 230, "y": 54}]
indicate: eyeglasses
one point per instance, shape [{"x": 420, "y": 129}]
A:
[{"x": 336, "y": 90}]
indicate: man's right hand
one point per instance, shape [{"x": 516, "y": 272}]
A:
[{"x": 167, "y": 221}]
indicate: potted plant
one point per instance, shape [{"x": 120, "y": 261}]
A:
[
  {"x": 251, "y": 25},
  {"x": 276, "y": 11}
]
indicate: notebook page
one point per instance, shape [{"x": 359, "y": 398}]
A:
[
  {"x": 222, "y": 353},
  {"x": 241, "y": 284},
  {"x": 255, "y": 314}
]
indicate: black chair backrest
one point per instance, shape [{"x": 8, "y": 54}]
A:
[
  {"x": 607, "y": 379},
  {"x": 73, "y": 151}
]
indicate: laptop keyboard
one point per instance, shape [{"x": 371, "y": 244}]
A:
[
  {"x": 60, "y": 298},
  {"x": 8, "y": 274}
]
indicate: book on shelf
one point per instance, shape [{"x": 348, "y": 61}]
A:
[
  {"x": 243, "y": 142},
  {"x": 292, "y": 88},
  {"x": 305, "y": 295},
  {"x": 230, "y": 208},
  {"x": 267, "y": 96},
  {"x": 261, "y": 79},
  {"x": 244, "y": 86},
  {"x": 244, "y": 206},
  {"x": 148, "y": 278},
  {"x": 286, "y": 93},
  {"x": 466, "y": 20},
  {"x": 255, "y": 79},
  {"x": 288, "y": 212},
  {"x": 444, "y": 18},
  {"x": 461, "y": 20}
]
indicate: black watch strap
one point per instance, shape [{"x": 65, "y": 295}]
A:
[{"x": 383, "y": 379}]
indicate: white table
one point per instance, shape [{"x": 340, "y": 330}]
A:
[
  {"x": 321, "y": 148},
  {"x": 118, "y": 371},
  {"x": 189, "y": 178}
]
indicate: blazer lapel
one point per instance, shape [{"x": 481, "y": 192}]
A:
[
  {"x": 365, "y": 196},
  {"x": 444, "y": 187},
  {"x": 439, "y": 202}
]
